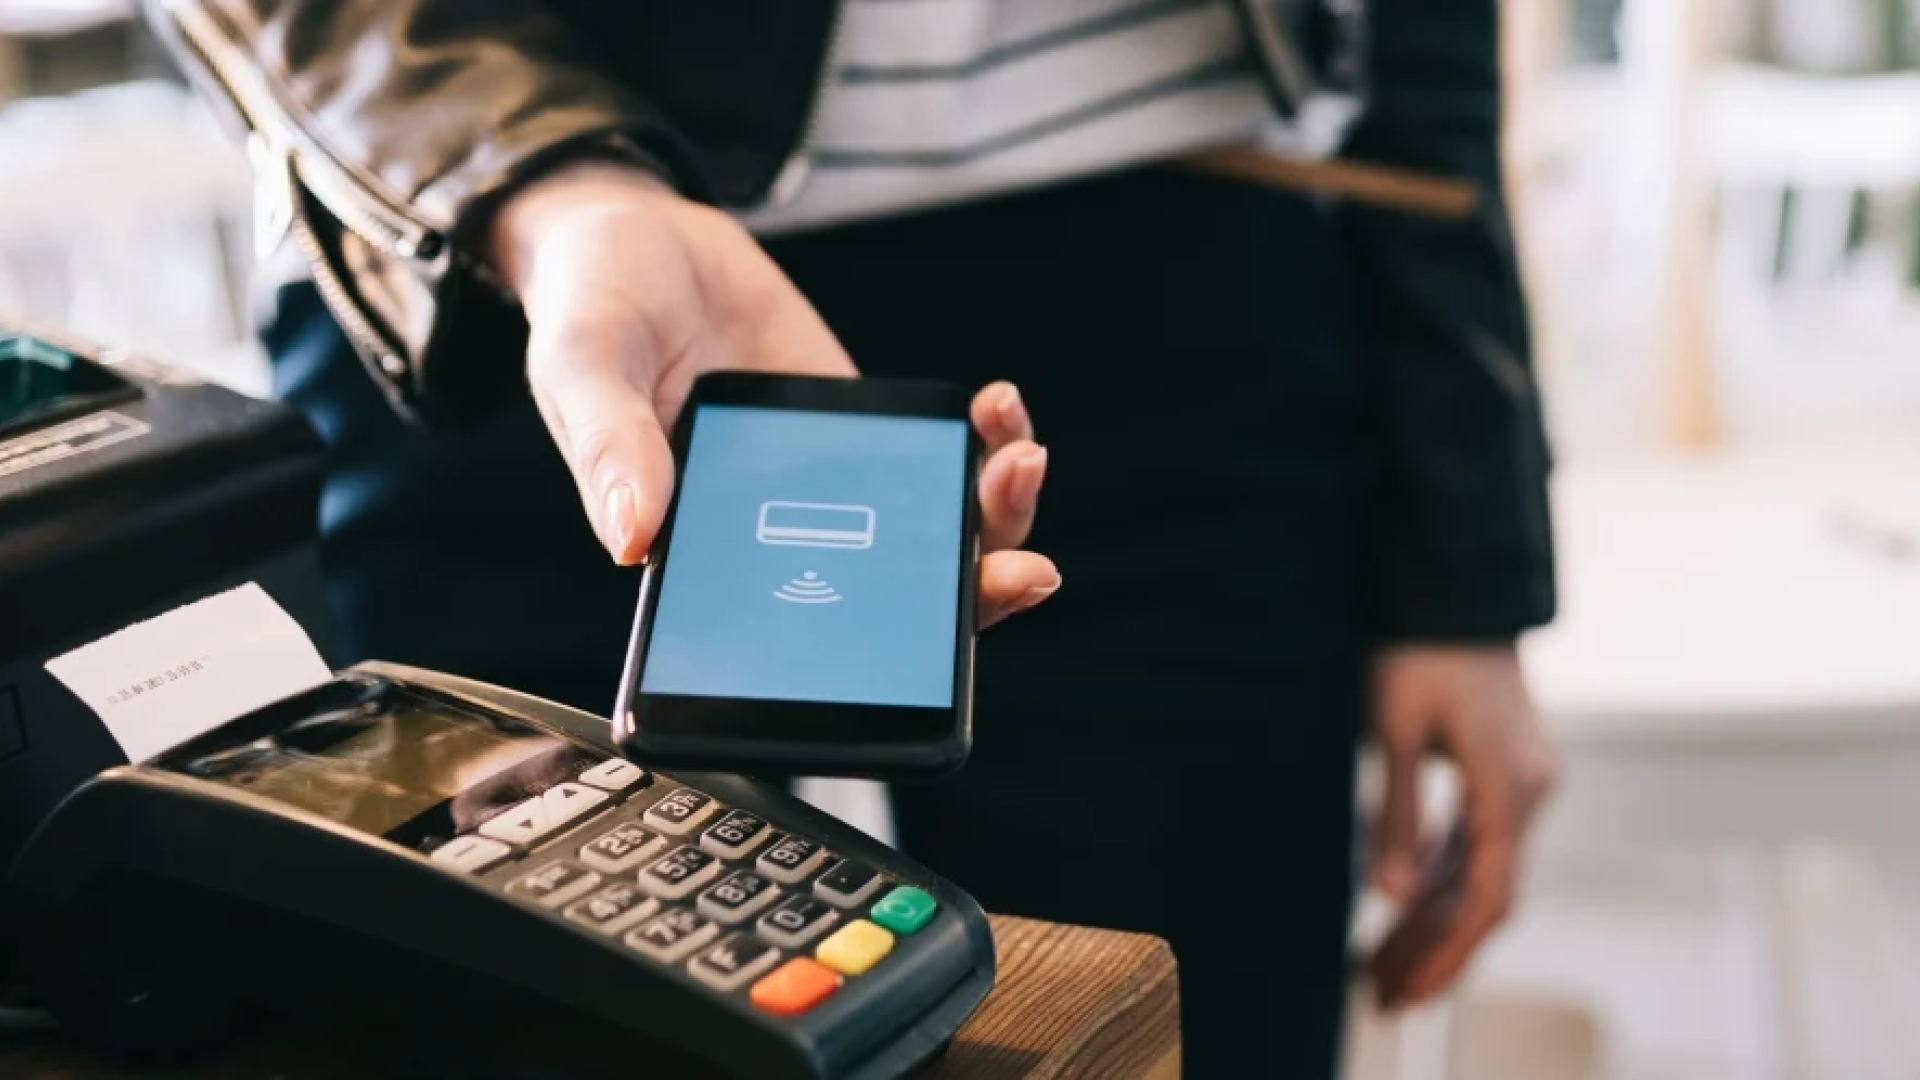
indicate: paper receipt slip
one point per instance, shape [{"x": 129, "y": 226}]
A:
[{"x": 159, "y": 683}]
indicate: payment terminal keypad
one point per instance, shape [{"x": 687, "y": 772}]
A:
[{"x": 721, "y": 894}]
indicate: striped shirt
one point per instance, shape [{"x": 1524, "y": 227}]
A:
[
  {"x": 929, "y": 102},
  {"x": 936, "y": 101}
]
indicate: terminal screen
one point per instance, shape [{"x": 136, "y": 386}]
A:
[{"x": 377, "y": 767}]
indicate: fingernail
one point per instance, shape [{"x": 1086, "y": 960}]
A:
[
  {"x": 1030, "y": 471},
  {"x": 622, "y": 518},
  {"x": 1009, "y": 402},
  {"x": 1032, "y": 597}
]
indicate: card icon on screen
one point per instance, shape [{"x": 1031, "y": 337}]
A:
[{"x": 822, "y": 525}]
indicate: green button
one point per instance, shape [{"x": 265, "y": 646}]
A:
[{"x": 904, "y": 910}]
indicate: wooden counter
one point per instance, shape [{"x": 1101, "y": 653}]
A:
[{"x": 1070, "y": 1002}]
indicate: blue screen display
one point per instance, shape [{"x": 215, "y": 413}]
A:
[{"x": 815, "y": 557}]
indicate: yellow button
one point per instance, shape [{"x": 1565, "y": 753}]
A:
[{"x": 855, "y": 947}]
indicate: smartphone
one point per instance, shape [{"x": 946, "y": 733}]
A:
[{"x": 809, "y": 606}]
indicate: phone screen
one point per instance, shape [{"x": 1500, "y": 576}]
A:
[{"x": 815, "y": 557}]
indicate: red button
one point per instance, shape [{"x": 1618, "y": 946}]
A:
[{"x": 794, "y": 987}]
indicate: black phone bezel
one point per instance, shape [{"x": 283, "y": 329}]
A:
[{"x": 772, "y": 737}]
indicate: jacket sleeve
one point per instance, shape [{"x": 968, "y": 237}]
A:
[
  {"x": 381, "y": 133},
  {"x": 1467, "y": 542}
]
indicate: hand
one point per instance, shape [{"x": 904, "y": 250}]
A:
[
  {"x": 1472, "y": 705},
  {"x": 630, "y": 291}
]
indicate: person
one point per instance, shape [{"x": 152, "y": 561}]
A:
[{"x": 1292, "y": 447}]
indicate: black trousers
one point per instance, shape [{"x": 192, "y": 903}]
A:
[{"x": 1168, "y": 744}]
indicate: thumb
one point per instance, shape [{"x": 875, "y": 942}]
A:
[
  {"x": 1397, "y": 845},
  {"x": 604, "y": 422}
]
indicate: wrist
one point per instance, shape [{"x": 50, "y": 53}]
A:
[{"x": 582, "y": 186}]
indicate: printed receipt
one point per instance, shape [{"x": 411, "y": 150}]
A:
[{"x": 162, "y": 682}]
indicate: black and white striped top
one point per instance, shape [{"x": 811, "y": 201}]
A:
[{"x": 935, "y": 101}]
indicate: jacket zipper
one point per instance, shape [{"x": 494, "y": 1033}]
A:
[
  {"x": 367, "y": 339},
  {"x": 366, "y": 212},
  {"x": 793, "y": 174}
]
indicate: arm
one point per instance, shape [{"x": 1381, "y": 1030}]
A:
[
  {"x": 1468, "y": 557},
  {"x": 442, "y": 163},
  {"x": 383, "y": 134},
  {"x": 1468, "y": 552}
]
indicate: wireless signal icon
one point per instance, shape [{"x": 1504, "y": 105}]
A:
[{"x": 807, "y": 589}]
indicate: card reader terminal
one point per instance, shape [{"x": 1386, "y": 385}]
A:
[{"x": 471, "y": 862}]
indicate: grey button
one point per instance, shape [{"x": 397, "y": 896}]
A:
[
  {"x": 791, "y": 859},
  {"x": 622, "y": 849},
  {"x": 614, "y": 908},
  {"x": 737, "y": 899},
  {"x": 680, "y": 872},
  {"x": 733, "y": 836},
  {"x": 682, "y": 811},
  {"x": 471, "y": 854},
  {"x": 555, "y": 884},
  {"x": 674, "y": 936},
  {"x": 568, "y": 803},
  {"x": 796, "y": 922},
  {"x": 732, "y": 963},
  {"x": 522, "y": 825},
  {"x": 617, "y": 775},
  {"x": 848, "y": 884}
]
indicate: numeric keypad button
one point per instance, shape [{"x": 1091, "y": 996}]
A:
[
  {"x": 736, "y": 835},
  {"x": 672, "y": 937},
  {"x": 739, "y": 898},
  {"x": 682, "y": 811},
  {"x": 622, "y": 849},
  {"x": 555, "y": 884},
  {"x": 679, "y": 872},
  {"x": 848, "y": 884},
  {"x": 796, "y": 922},
  {"x": 614, "y": 908},
  {"x": 734, "y": 962},
  {"x": 791, "y": 859}
]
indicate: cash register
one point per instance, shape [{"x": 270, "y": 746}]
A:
[
  {"x": 127, "y": 488},
  {"x": 475, "y": 876}
]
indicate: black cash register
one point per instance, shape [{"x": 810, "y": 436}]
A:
[
  {"x": 480, "y": 869},
  {"x": 127, "y": 489}
]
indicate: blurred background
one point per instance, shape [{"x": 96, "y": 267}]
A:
[{"x": 1719, "y": 202}]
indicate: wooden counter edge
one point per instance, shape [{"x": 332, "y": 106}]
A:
[{"x": 1071, "y": 1001}]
